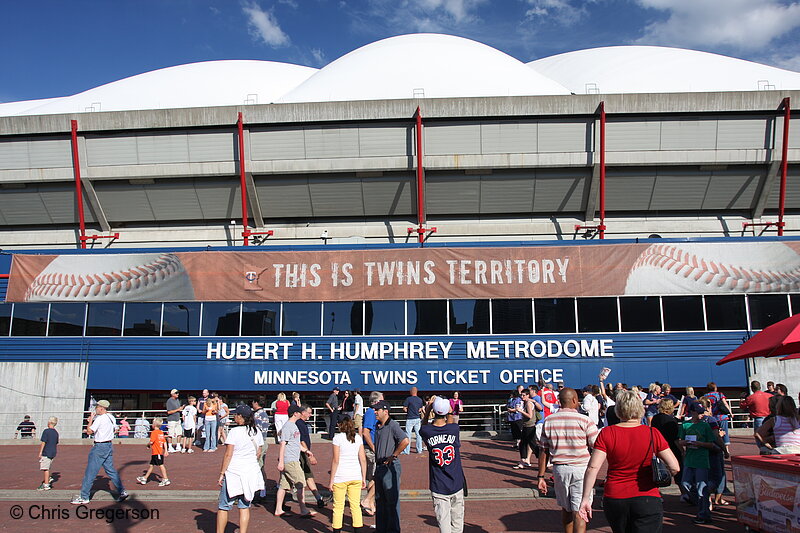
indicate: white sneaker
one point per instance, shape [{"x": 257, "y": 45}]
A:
[
  {"x": 142, "y": 480},
  {"x": 77, "y": 500},
  {"x": 190, "y": 450},
  {"x": 164, "y": 483},
  {"x": 182, "y": 451}
]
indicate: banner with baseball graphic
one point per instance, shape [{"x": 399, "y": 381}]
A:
[{"x": 669, "y": 268}]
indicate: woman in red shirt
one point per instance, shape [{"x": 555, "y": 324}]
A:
[
  {"x": 631, "y": 500},
  {"x": 281, "y": 414}
]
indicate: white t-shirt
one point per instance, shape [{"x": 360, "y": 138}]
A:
[
  {"x": 103, "y": 427},
  {"x": 359, "y": 405},
  {"x": 244, "y": 454},
  {"x": 349, "y": 468},
  {"x": 591, "y": 407},
  {"x": 189, "y": 417}
]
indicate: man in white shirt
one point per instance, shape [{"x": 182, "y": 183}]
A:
[
  {"x": 101, "y": 424},
  {"x": 358, "y": 408},
  {"x": 590, "y": 405}
]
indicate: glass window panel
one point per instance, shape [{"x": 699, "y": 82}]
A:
[
  {"x": 640, "y": 313},
  {"x": 386, "y": 317},
  {"x": 555, "y": 315},
  {"x": 66, "y": 319},
  {"x": 469, "y": 316},
  {"x": 597, "y": 315},
  {"x": 104, "y": 320},
  {"x": 220, "y": 319},
  {"x": 261, "y": 318},
  {"x": 512, "y": 316},
  {"x": 5, "y": 319},
  {"x": 343, "y": 318},
  {"x": 301, "y": 318},
  {"x": 683, "y": 313},
  {"x": 427, "y": 317},
  {"x": 181, "y": 319},
  {"x": 795, "y": 299},
  {"x": 142, "y": 319},
  {"x": 29, "y": 320},
  {"x": 726, "y": 312},
  {"x": 766, "y": 309}
]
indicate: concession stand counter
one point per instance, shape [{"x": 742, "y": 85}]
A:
[{"x": 768, "y": 492}]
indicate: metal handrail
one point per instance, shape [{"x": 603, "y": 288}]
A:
[{"x": 475, "y": 417}]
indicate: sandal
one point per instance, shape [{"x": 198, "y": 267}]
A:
[{"x": 367, "y": 511}]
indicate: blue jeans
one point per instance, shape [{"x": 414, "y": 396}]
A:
[
  {"x": 210, "y": 426},
  {"x": 695, "y": 482},
  {"x": 716, "y": 475},
  {"x": 387, "y": 498},
  {"x": 101, "y": 454},
  {"x": 723, "y": 425},
  {"x": 413, "y": 424}
]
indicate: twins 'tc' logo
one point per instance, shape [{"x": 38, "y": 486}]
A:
[{"x": 251, "y": 276}]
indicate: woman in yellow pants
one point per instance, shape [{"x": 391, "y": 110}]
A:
[{"x": 348, "y": 474}]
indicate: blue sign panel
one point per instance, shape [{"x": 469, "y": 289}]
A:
[{"x": 496, "y": 362}]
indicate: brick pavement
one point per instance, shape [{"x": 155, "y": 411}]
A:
[{"x": 502, "y": 500}]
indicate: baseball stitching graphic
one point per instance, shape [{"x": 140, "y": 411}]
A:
[
  {"x": 694, "y": 268},
  {"x": 128, "y": 277}
]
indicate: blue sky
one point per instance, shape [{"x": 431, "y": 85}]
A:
[{"x": 57, "y": 48}]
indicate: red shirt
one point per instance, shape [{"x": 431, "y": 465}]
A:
[
  {"x": 630, "y": 473},
  {"x": 550, "y": 397},
  {"x": 757, "y": 404},
  {"x": 281, "y": 407}
]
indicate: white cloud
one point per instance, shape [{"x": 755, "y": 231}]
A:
[
  {"x": 560, "y": 11},
  {"x": 263, "y": 25},
  {"x": 738, "y": 24},
  {"x": 421, "y": 15},
  {"x": 319, "y": 56}
]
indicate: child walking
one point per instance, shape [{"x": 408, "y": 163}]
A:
[
  {"x": 158, "y": 452},
  {"x": 47, "y": 452}
]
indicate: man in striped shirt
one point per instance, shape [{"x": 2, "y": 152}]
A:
[{"x": 566, "y": 438}]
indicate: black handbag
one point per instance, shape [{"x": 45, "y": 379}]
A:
[{"x": 661, "y": 475}]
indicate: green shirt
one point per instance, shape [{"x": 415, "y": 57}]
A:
[{"x": 696, "y": 457}]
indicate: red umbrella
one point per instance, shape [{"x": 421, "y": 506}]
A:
[
  {"x": 781, "y": 338},
  {"x": 793, "y": 356}
]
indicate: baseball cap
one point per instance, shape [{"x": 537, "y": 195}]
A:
[
  {"x": 383, "y": 404},
  {"x": 174, "y": 391},
  {"x": 104, "y": 403},
  {"x": 295, "y": 409},
  {"x": 243, "y": 410},
  {"x": 336, "y": 389},
  {"x": 441, "y": 406}
]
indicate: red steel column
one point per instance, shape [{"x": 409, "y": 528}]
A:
[
  {"x": 240, "y": 128},
  {"x": 784, "y": 163},
  {"x": 602, "y": 227},
  {"x": 76, "y": 167},
  {"x": 420, "y": 180}
]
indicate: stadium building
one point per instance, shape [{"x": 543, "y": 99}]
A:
[{"x": 425, "y": 210}]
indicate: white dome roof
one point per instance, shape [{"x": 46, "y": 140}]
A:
[
  {"x": 422, "y": 65},
  {"x": 655, "y": 69},
  {"x": 209, "y": 83}
]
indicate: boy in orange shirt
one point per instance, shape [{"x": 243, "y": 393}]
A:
[{"x": 157, "y": 454}]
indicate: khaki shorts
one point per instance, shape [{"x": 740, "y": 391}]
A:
[
  {"x": 44, "y": 463},
  {"x": 568, "y": 481},
  {"x": 292, "y": 475},
  {"x": 370, "y": 463},
  {"x": 174, "y": 429},
  {"x": 357, "y": 421}
]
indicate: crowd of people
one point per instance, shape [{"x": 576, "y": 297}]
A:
[{"x": 570, "y": 432}]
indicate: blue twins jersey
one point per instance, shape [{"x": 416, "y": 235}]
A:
[{"x": 444, "y": 458}]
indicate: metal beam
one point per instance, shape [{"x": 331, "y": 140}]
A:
[
  {"x": 94, "y": 204},
  {"x": 773, "y": 171},
  {"x": 252, "y": 197}
]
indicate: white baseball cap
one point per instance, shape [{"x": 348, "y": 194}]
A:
[{"x": 441, "y": 406}]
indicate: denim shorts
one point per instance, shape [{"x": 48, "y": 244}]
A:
[{"x": 226, "y": 502}]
